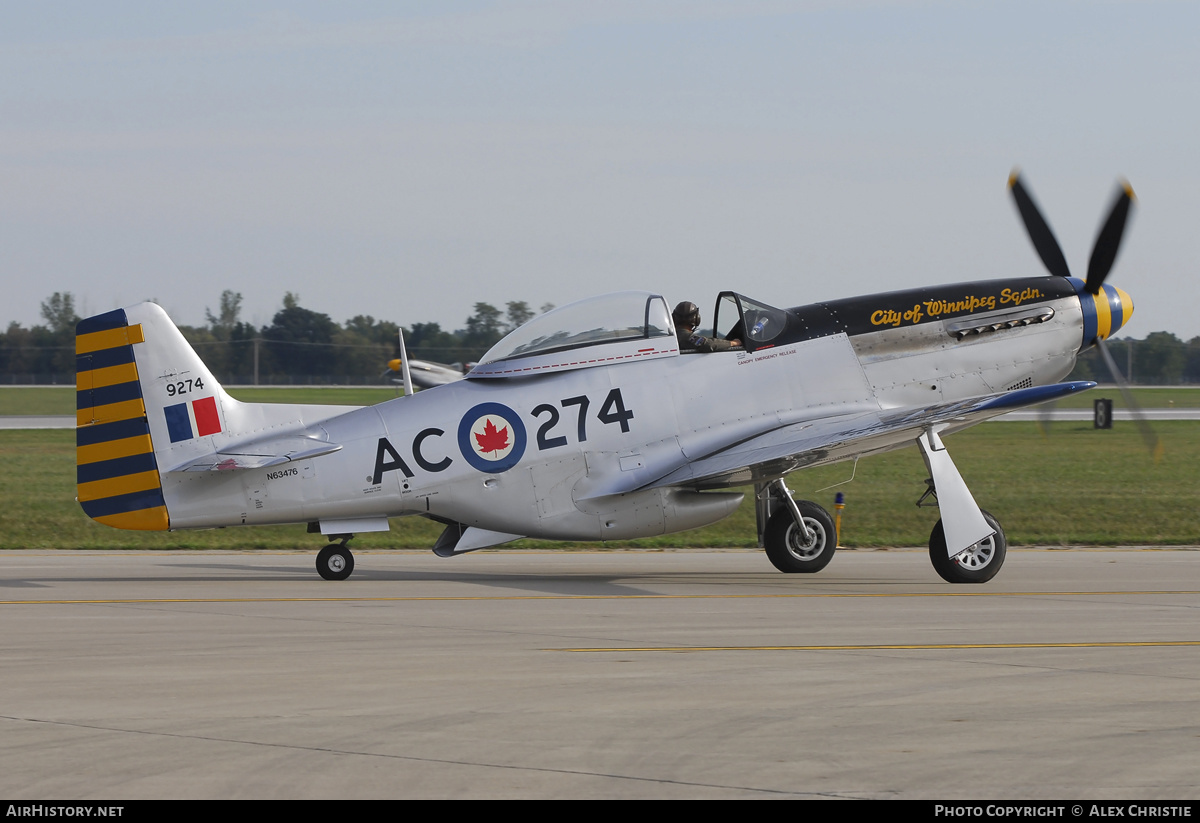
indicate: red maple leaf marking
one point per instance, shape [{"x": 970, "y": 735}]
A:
[{"x": 492, "y": 439}]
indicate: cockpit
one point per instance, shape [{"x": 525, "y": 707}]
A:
[
  {"x": 596, "y": 331},
  {"x": 610, "y": 318},
  {"x": 624, "y": 326}
]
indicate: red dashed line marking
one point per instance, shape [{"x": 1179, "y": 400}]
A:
[{"x": 640, "y": 353}]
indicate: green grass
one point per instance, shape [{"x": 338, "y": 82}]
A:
[
  {"x": 1078, "y": 486},
  {"x": 1074, "y": 486},
  {"x": 37, "y": 400}
]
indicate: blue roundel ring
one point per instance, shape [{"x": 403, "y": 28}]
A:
[{"x": 516, "y": 430}]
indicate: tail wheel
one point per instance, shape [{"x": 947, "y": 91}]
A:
[
  {"x": 786, "y": 547},
  {"x": 335, "y": 562},
  {"x": 978, "y": 564}
]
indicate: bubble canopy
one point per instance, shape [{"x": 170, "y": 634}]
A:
[{"x": 609, "y": 318}]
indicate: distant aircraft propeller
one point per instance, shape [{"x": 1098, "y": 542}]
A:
[{"x": 1104, "y": 254}]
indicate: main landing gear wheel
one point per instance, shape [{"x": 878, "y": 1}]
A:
[
  {"x": 335, "y": 562},
  {"x": 785, "y": 543},
  {"x": 978, "y": 564}
]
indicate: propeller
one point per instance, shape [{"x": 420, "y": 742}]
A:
[
  {"x": 1148, "y": 436},
  {"x": 1108, "y": 241},
  {"x": 1043, "y": 238},
  {"x": 1104, "y": 251},
  {"x": 1104, "y": 254},
  {"x": 1046, "y": 417}
]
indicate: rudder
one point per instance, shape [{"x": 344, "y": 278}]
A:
[{"x": 117, "y": 477}]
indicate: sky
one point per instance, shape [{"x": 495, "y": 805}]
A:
[{"x": 405, "y": 160}]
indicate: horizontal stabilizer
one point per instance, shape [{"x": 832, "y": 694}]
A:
[{"x": 259, "y": 454}]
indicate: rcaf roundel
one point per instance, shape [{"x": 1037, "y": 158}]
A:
[{"x": 491, "y": 437}]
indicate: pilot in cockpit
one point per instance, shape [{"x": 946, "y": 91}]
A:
[{"x": 687, "y": 320}]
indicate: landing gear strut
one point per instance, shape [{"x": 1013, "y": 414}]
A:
[
  {"x": 799, "y": 537},
  {"x": 335, "y": 562}
]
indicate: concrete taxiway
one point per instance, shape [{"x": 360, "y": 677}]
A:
[{"x": 698, "y": 673}]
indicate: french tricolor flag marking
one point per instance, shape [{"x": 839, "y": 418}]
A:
[{"x": 180, "y": 419}]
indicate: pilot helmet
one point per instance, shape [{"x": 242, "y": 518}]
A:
[{"x": 686, "y": 315}]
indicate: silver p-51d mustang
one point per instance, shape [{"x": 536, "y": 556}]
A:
[{"x": 590, "y": 423}]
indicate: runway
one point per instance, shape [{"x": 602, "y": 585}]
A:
[
  {"x": 1086, "y": 415},
  {"x": 44, "y": 421},
  {"x": 620, "y": 674}
]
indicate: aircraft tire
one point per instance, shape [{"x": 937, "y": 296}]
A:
[
  {"x": 978, "y": 564},
  {"x": 335, "y": 562},
  {"x": 784, "y": 545}
]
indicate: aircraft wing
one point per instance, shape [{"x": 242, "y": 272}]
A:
[
  {"x": 259, "y": 454},
  {"x": 798, "y": 445}
]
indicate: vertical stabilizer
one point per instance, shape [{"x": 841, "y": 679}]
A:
[{"x": 145, "y": 402}]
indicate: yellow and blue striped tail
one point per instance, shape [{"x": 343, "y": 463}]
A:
[{"x": 117, "y": 474}]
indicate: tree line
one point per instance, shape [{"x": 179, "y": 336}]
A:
[
  {"x": 303, "y": 346},
  {"x": 298, "y": 345}
]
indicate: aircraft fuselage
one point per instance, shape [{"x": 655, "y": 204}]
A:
[{"x": 547, "y": 439}]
